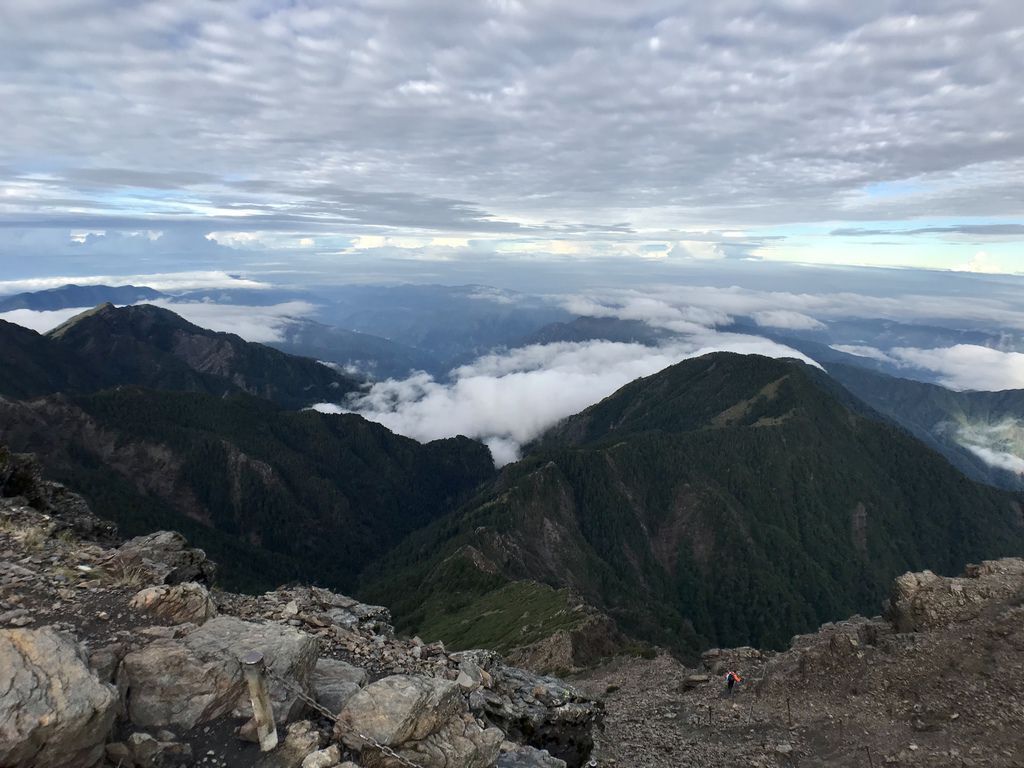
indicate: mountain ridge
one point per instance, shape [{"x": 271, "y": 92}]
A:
[
  {"x": 148, "y": 346},
  {"x": 744, "y": 498}
]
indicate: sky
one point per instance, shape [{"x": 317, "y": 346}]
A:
[{"x": 263, "y": 137}]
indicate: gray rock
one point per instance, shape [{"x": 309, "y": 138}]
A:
[
  {"x": 301, "y": 741},
  {"x": 424, "y": 719},
  {"x": 398, "y": 709},
  {"x": 335, "y": 682},
  {"x": 323, "y": 758},
  {"x": 104, "y": 660},
  {"x": 177, "y": 604},
  {"x": 470, "y": 676},
  {"x": 543, "y": 711},
  {"x": 924, "y": 600},
  {"x": 458, "y": 742},
  {"x": 695, "y": 681},
  {"x": 53, "y": 710},
  {"x": 118, "y": 753},
  {"x": 166, "y": 558},
  {"x": 528, "y": 757},
  {"x": 198, "y": 678}
]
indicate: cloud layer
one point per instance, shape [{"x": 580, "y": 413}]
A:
[
  {"x": 563, "y": 123},
  {"x": 262, "y": 324},
  {"x": 967, "y": 366},
  {"x": 509, "y": 399}
]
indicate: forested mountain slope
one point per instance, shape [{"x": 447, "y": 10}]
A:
[
  {"x": 725, "y": 500},
  {"x": 274, "y": 494}
]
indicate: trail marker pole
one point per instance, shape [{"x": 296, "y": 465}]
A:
[{"x": 262, "y": 709}]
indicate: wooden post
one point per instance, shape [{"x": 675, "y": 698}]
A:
[
  {"x": 871, "y": 762},
  {"x": 262, "y": 709},
  {"x": 789, "y": 712}
]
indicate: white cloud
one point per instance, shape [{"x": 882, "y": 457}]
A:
[
  {"x": 860, "y": 350},
  {"x": 787, "y": 318},
  {"x": 41, "y": 321},
  {"x": 982, "y": 263},
  {"x": 261, "y": 324},
  {"x": 657, "y": 304},
  {"x": 508, "y": 399},
  {"x": 164, "y": 281},
  {"x": 998, "y": 459},
  {"x": 656, "y": 312},
  {"x": 967, "y": 366}
]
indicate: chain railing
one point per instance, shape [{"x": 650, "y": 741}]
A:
[{"x": 313, "y": 704}]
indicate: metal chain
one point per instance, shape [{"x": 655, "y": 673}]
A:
[{"x": 313, "y": 704}]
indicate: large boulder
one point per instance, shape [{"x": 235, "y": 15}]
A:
[
  {"x": 540, "y": 711},
  {"x": 188, "y": 603},
  {"x": 198, "y": 677},
  {"x": 423, "y": 719},
  {"x": 335, "y": 682},
  {"x": 398, "y": 709},
  {"x": 921, "y": 601},
  {"x": 54, "y": 712},
  {"x": 164, "y": 557}
]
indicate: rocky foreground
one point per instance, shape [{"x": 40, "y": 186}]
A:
[{"x": 119, "y": 653}]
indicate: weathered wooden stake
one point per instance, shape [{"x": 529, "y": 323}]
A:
[
  {"x": 871, "y": 762},
  {"x": 262, "y": 709}
]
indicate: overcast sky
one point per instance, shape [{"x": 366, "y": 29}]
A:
[{"x": 151, "y": 136}]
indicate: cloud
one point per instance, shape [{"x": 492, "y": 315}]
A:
[
  {"x": 263, "y": 324},
  {"x": 997, "y": 459},
  {"x": 41, "y": 321},
  {"x": 347, "y": 118},
  {"x": 716, "y": 305},
  {"x": 975, "y": 230},
  {"x": 167, "y": 281},
  {"x": 656, "y": 312},
  {"x": 785, "y": 318},
  {"x": 998, "y": 444},
  {"x": 981, "y": 263},
  {"x": 506, "y": 400},
  {"x": 860, "y": 350},
  {"x": 966, "y": 366},
  {"x": 259, "y": 324}
]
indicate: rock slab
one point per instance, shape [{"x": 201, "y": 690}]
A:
[
  {"x": 53, "y": 709},
  {"x": 198, "y": 678}
]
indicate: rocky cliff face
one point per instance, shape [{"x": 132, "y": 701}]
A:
[{"x": 122, "y": 654}]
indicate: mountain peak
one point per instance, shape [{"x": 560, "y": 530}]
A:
[{"x": 150, "y": 346}]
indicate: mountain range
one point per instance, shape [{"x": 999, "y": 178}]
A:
[{"x": 729, "y": 499}]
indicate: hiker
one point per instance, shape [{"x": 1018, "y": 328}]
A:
[{"x": 731, "y": 678}]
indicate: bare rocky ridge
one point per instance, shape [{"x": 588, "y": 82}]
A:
[
  {"x": 938, "y": 682},
  {"x": 122, "y": 654}
]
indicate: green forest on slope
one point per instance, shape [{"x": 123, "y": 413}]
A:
[
  {"x": 727, "y": 500},
  {"x": 273, "y": 494}
]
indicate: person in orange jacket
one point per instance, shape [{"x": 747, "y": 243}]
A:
[{"x": 731, "y": 678}]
